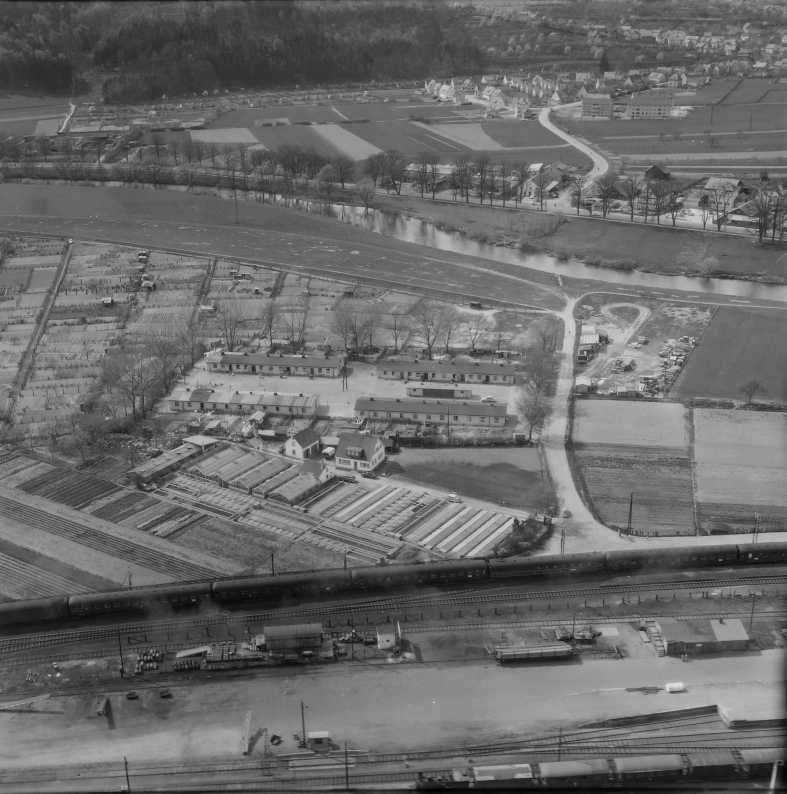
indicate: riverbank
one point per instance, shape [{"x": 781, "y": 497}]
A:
[{"x": 617, "y": 245}]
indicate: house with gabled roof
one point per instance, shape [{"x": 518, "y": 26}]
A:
[
  {"x": 359, "y": 452},
  {"x": 302, "y": 445}
]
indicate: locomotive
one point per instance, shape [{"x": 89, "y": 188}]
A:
[{"x": 325, "y": 583}]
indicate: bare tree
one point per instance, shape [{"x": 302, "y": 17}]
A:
[
  {"x": 229, "y": 315},
  {"x": 374, "y": 167},
  {"x": 540, "y": 182},
  {"x": 158, "y": 145},
  {"x": 343, "y": 169},
  {"x": 428, "y": 317},
  {"x": 579, "y": 182},
  {"x": 482, "y": 167},
  {"x": 705, "y": 210},
  {"x": 476, "y": 328},
  {"x": 395, "y": 167},
  {"x": 750, "y": 389},
  {"x": 399, "y": 329},
  {"x": 674, "y": 200},
  {"x": 434, "y": 174},
  {"x": 366, "y": 192},
  {"x": 421, "y": 176},
  {"x": 450, "y": 320},
  {"x": 344, "y": 325},
  {"x": 721, "y": 203},
  {"x": 521, "y": 171},
  {"x": 268, "y": 319},
  {"x": 607, "y": 191},
  {"x": 630, "y": 188},
  {"x": 533, "y": 407},
  {"x": 295, "y": 323},
  {"x": 461, "y": 178},
  {"x": 660, "y": 192}
]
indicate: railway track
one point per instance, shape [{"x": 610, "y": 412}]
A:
[{"x": 93, "y": 637}]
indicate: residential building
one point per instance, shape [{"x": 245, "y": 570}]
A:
[
  {"x": 302, "y": 445},
  {"x": 597, "y": 106},
  {"x": 246, "y": 402},
  {"x": 274, "y": 364},
  {"x": 449, "y": 371},
  {"x": 359, "y": 452},
  {"x": 650, "y": 106},
  {"x": 453, "y": 413}
]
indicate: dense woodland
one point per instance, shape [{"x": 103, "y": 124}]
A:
[{"x": 141, "y": 51}]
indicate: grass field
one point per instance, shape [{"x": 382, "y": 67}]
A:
[
  {"x": 630, "y": 423},
  {"x": 345, "y": 141},
  {"x": 741, "y": 468},
  {"x": 658, "y": 478},
  {"x": 738, "y": 346},
  {"x": 520, "y": 133},
  {"x": 501, "y": 483}
]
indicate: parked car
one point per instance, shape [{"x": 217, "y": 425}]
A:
[
  {"x": 132, "y": 695},
  {"x": 165, "y": 693},
  {"x": 370, "y": 475}
]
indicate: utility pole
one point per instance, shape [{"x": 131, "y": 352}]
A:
[
  {"x": 303, "y": 725},
  {"x": 120, "y": 651},
  {"x": 125, "y": 767},
  {"x": 346, "y": 768},
  {"x": 273, "y": 567},
  {"x": 563, "y": 539},
  {"x": 756, "y": 530},
  {"x": 751, "y": 616},
  {"x": 631, "y": 510}
]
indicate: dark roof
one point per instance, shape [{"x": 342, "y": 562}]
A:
[
  {"x": 408, "y": 405},
  {"x": 307, "y": 438},
  {"x": 353, "y": 440},
  {"x": 200, "y": 395},
  {"x": 277, "y": 360},
  {"x": 423, "y": 365}
]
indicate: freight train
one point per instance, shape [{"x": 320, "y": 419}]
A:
[
  {"x": 678, "y": 771},
  {"x": 306, "y": 585}
]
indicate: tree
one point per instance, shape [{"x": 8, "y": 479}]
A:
[
  {"x": 395, "y": 167},
  {"x": 750, "y": 389},
  {"x": 366, "y": 192},
  {"x": 482, "y": 168},
  {"x": 660, "y": 192},
  {"x": 705, "y": 210},
  {"x": 344, "y": 325},
  {"x": 229, "y": 315},
  {"x": 578, "y": 181},
  {"x": 607, "y": 191},
  {"x": 461, "y": 178},
  {"x": 630, "y": 188},
  {"x": 325, "y": 182},
  {"x": 720, "y": 202},
  {"x": 422, "y": 172},
  {"x": 434, "y": 174},
  {"x": 476, "y": 328},
  {"x": 295, "y": 323},
  {"x": 540, "y": 182},
  {"x": 267, "y": 319},
  {"x": 603, "y": 63},
  {"x": 399, "y": 330},
  {"x": 533, "y": 407},
  {"x": 343, "y": 169},
  {"x": 674, "y": 200},
  {"x": 429, "y": 318},
  {"x": 374, "y": 167}
]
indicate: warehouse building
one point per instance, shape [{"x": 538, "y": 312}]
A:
[
  {"x": 292, "y": 641},
  {"x": 702, "y": 636},
  {"x": 164, "y": 464},
  {"x": 242, "y": 402}
]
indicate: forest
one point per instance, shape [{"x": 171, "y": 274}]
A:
[{"x": 140, "y": 51}]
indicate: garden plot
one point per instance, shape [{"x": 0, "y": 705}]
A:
[
  {"x": 631, "y": 423},
  {"x": 658, "y": 479},
  {"x": 741, "y": 468}
]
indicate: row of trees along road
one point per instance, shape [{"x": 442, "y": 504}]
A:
[{"x": 292, "y": 170}]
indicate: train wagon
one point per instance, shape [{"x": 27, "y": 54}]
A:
[
  {"x": 39, "y": 610},
  {"x": 547, "y": 564},
  {"x": 514, "y": 654},
  {"x": 391, "y": 577},
  {"x": 645, "y": 768},
  {"x": 759, "y": 761},
  {"x": 287, "y": 585},
  {"x": 590, "y": 772}
]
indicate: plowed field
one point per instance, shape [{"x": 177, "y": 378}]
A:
[{"x": 658, "y": 478}]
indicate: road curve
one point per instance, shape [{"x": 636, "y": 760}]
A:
[{"x": 600, "y": 165}]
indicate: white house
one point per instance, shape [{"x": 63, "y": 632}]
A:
[
  {"x": 302, "y": 445},
  {"x": 358, "y": 452}
]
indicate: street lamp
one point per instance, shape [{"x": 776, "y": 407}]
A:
[{"x": 303, "y": 725}]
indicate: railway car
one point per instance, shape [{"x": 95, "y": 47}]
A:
[
  {"x": 138, "y": 599},
  {"x": 288, "y": 585},
  {"x": 713, "y": 765},
  {"x": 34, "y": 611},
  {"x": 391, "y": 577},
  {"x": 759, "y": 761},
  {"x": 650, "y": 768},
  {"x": 770, "y": 552},
  {"x": 547, "y": 564},
  {"x": 585, "y": 772}
]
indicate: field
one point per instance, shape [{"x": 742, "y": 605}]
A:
[
  {"x": 622, "y": 448},
  {"x": 740, "y": 345},
  {"x": 741, "y": 461},
  {"x": 729, "y": 116},
  {"x": 630, "y": 424},
  {"x": 22, "y": 115},
  {"x": 659, "y": 478}
]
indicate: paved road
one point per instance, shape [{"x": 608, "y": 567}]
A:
[{"x": 600, "y": 165}]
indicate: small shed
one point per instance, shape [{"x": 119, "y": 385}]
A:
[
  {"x": 294, "y": 638},
  {"x": 703, "y": 636},
  {"x": 319, "y": 740}
]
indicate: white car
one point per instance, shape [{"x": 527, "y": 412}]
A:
[
  {"x": 489, "y": 400},
  {"x": 454, "y": 497}
]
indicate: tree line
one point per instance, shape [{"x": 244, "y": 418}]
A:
[{"x": 170, "y": 48}]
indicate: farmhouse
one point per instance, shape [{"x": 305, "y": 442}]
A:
[
  {"x": 447, "y": 412},
  {"x": 247, "y": 402},
  {"x": 596, "y": 106},
  {"x": 448, "y": 371},
  {"x": 359, "y": 452},
  {"x": 302, "y": 445},
  {"x": 274, "y": 364}
]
